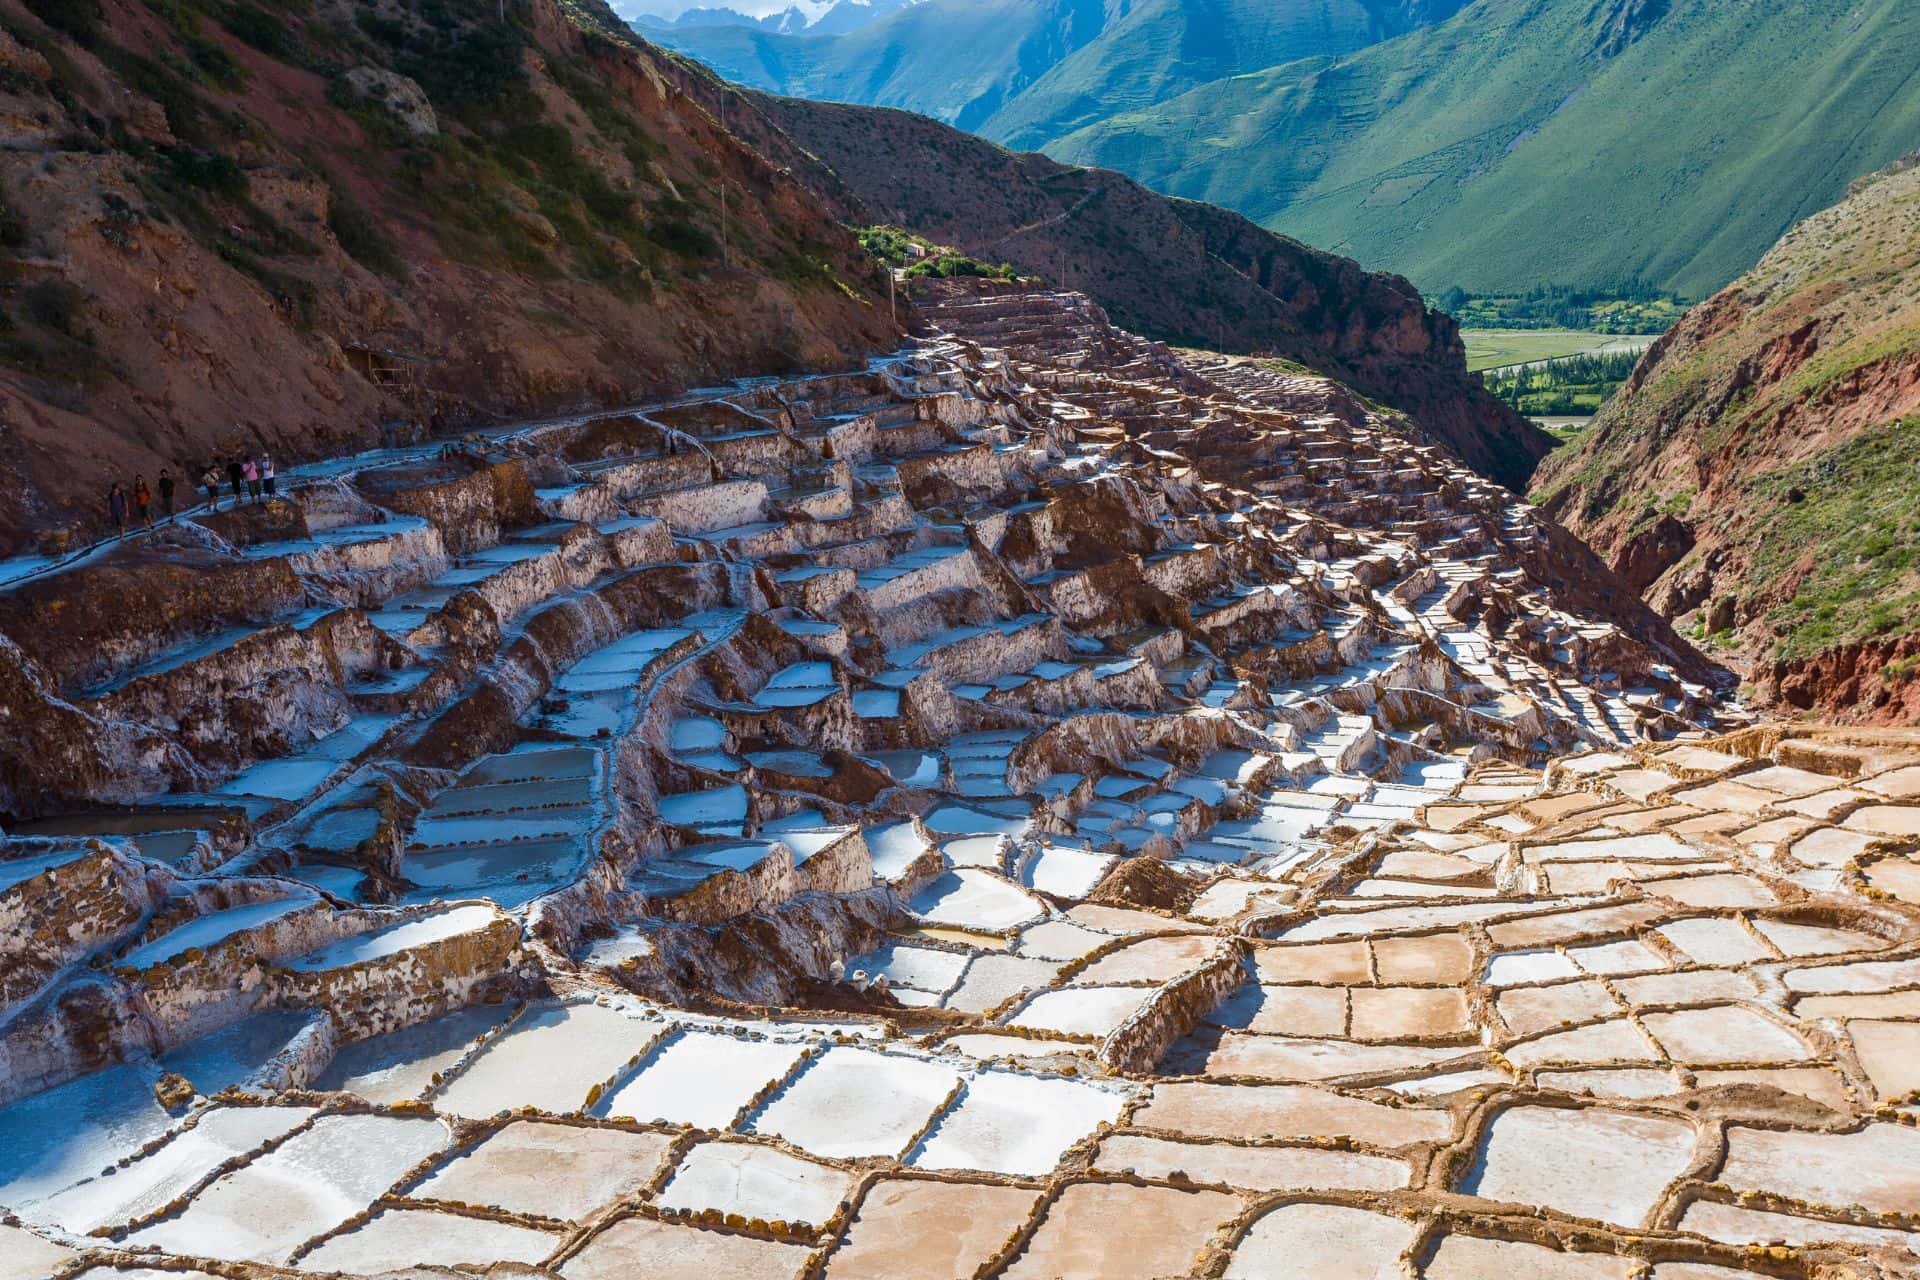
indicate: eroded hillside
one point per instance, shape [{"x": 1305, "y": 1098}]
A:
[
  {"x": 1757, "y": 476},
  {"x": 254, "y": 226}
]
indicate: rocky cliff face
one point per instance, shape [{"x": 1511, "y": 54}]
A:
[
  {"x": 254, "y": 227},
  {"x": 1177, "y": 270},
  {"x": 1756, "y": 478}
]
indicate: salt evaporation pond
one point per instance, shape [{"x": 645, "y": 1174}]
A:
[
  {"x": 1065, "y": 872},
  {"x": 210, "y": 930},
  {"x": 234, "y": 1053},
  {"x": 402, "y": 1064},
  {"x": 548, "y": 1059},
  {"x": 755, "y": 1182},
  {"x": 396, "y": 938},
  {"x": 510, "y": 875},
  {"x": 558, "y": 1171},
  {"x": 967, "y": 820},
  {"x": 895, "y": 847},
  {"x": 54, "y": 1139},
  {"x": 151, "y": 1182},
  {"x": 1084, "y": 1011},
  {"x": 800, "y": 685},
  {"x": 425, "y": 1238},
  {"x": 715, "y": 810},
  {"x": 855, "y": 1102},
  {"x": 1608, "y": 1165},
  {"x": 311, "y": 1183},
  {"x": 904, "y": 965},
  {"x": 1015, "y": 1124},
  {"x": 15, "y": 871},
  {"x": 971, "y": 898},
  {"x": 702, "y": 1079}
]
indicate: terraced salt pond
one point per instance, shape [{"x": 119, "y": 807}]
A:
[
  {"x": 1109, "y": 815},
  {"x": 395, "y": 939}
]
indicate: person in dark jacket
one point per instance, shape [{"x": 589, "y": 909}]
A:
[
  {"x": 142, "y": 501},
  {"x": 117, "y": 509},
  {"x": 166, "y": 495},
  {"x": 239, "y": 480}
]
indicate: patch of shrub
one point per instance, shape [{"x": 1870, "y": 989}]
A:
[
  {"x": 210, "y": 171},
  {"x": 186, "y": 112},
  {"x": 363, "y": 238},
  {"x": 295, "y": 297},
  {"x": 58, "y": 304},
  {"x": 215, "y": 65},
  {"x": 265, "y": 31},
  {"x": 13, "y": 228},
  {"x": 461, "y": 69},
  {"x": 547, "y": 151},
  {"x": 948, "y": 265},
  {"x": 678, "y": 236},
  {"x": 77, "y": 18}
]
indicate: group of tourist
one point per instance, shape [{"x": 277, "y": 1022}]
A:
[{"x": 252, "y": 480}]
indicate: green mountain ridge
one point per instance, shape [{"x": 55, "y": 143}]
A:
[
  {"x": 1025, "y": 72},
  {"x": 957, "y": 61},
  {"x": 1163, "y": 48},
  {"x": 1606, "y": 145}
]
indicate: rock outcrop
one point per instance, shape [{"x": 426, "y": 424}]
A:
[{"x": 1754, "y": 479}]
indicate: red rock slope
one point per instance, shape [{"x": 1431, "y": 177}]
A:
[
  {"x": 214, "y": 214},
  {"x": 1757, "y": 478}
]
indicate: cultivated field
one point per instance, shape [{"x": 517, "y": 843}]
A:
[{"x": 1498, "y": 348}]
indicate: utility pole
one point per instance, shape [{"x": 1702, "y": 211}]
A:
[{"x": 726, "y": 253}]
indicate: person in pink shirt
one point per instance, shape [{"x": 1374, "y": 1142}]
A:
[{"x": 250, "y": 472}]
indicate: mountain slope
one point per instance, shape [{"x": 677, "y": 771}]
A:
[
  {"x": 229, "y": 227},
  {"x": 1026, "y": 72},
  {"x": 1760, "y": 467},
  {"x": 1596, "y": 143},
  {"x": 956, "y": 60},
  {"x": 1162, "y": 48},
  {"x": 1173, "y": 269}
]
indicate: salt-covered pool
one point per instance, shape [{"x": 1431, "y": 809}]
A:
[
  {"x": 396, "y": 938},
  {"x": 701, "y": 1078},
  {"x": 549, "y": 1058},
  {"x": 852, "y": 1102},
  {"x": 212, "y": 929},
  {"x": 312, "y": 1183}
]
